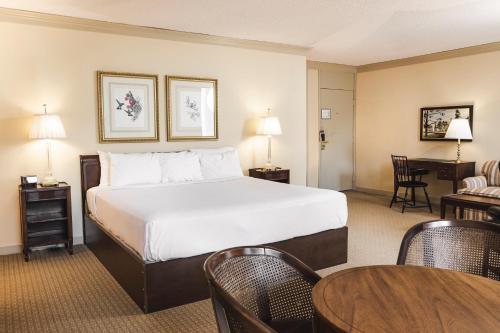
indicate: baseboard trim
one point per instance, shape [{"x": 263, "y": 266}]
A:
[
  {"x": 388, "y": 194},
  {"x": 14, "y": 249},
  {"x": 10, "y": 249}
]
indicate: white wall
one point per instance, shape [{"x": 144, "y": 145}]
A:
[
  {"x": 57, "y": 66},
  {"x": 387, "y": 115}
]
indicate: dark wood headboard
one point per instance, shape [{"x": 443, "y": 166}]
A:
[{"x": 90, "y": 175}]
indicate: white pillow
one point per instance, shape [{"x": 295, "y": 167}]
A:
[
  {"x": 130, "y": 169},
  {"x": 220, "y": 165},
  {"x": 180, "y": 167},
  {"x": 104, "y": 161}
]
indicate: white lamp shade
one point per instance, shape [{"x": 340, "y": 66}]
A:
[
  {"x": 459, "y": 129},
  {"x": 269, "y": 126},
  {"x": 47, "y": 126}
]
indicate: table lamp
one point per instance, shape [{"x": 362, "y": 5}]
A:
[
  {"x": 459, "y": 129},
  {"x": 269, "y": 126},
  {"x": 46, "y": 127}
]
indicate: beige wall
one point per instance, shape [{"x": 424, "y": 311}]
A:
[
  {"x": 387, "y": 115},
  {"x": 57, "y": 66}
]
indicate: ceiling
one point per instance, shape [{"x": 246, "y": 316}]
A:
[{"x": 353, "y": 32}]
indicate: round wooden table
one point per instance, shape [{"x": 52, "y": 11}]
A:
[{"x": 406, "y": 299}]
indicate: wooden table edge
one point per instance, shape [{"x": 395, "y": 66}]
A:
[{"x": 348, "y": 328}]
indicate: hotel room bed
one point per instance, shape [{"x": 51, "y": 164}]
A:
[
  {"x": 154, "y": 238},
  {"x": 170, "y": 221}
]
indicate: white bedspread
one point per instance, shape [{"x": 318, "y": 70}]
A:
[{"x": 167, "y": 221}]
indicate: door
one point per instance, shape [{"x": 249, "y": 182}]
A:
[{"x": 336, "y": 156}]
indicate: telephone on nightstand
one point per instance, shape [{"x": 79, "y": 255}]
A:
[
  {"x": 322, "y": 139},
  {"x": 29, "y": 181}
]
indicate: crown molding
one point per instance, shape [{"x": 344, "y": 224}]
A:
[
  {"x": 75, "y": 23},
  {"x": 328, "y": 66},
  {"x": 456, "y": 53}
]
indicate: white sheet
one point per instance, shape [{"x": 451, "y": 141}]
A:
[{"x": 168, "y": 221}]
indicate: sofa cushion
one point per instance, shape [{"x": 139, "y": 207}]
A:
[
  {"x": 490, "y": 191},
  {"x": 477, "y": 182},
  {"x": 491, "y": 171}
]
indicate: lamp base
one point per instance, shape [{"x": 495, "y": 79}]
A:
[
  {"x": 269, "y": 166},
  {"x": 49, "y": 181}
]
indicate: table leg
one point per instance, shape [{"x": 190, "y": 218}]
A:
[
  {"x": 443, "y": 209},
  {"x": 413, "y": 178},
  {"x": 461, "y": 213}
]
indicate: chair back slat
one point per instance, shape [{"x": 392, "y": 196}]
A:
[
  {"x": 465, "y": 246},
  {"x": 401, "y": 169}
]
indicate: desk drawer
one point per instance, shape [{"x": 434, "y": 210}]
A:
[{"x": 446, "y": 172}]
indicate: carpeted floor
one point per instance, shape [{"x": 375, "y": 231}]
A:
[{"x": 56, "y": 292}]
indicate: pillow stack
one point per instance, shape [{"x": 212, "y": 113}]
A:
[
  {"x": 219, "y": 163},
  {"x": 154, "y": 168}
]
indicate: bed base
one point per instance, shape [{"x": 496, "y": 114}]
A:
[{"x": 161, "y": 285}]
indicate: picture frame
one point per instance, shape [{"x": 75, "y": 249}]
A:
[
  {"x": 192, "y": 108},
  {"x": 434, "y": 121},
  {"x": 326, "y": 113},
  {"x": 127, "y": 107}
]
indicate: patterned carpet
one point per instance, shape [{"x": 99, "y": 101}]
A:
[{"x": 56, "y": 292}]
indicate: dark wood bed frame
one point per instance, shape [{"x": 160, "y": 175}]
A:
[{"x": 161, "y": 285}]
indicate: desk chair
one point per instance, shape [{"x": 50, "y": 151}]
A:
[{"x": 407, "y": 178}]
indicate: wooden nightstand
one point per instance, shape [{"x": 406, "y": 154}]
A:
[
  {"x": 46, "y": 217},
  {"x": 278, "y": 175}
]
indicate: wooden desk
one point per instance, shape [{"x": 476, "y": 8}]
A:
[
  {"x": 405, "y": 299},
  {"x": 446, "y": 169}
]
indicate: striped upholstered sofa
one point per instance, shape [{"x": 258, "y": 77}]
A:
[{"x": 486, "y": 185}]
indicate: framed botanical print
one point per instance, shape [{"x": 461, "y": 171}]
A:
[
  {"x": 191, "y": 108},
  {"x": 434, "y": 121},
  {"x": 128, "y": 107}
]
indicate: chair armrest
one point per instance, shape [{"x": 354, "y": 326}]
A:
[
  {"x": 476, "y": 182},
  {"x": 494, "y": 212}
]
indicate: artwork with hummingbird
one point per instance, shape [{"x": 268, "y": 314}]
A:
[
  {"x": 131, "y": 106},
  {"x": 128, "y": 107}
]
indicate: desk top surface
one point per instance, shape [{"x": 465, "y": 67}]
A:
[
  {"x": 437, "y": 160},
  {"x": 407, "y": 299}
]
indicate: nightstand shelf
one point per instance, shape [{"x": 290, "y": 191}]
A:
[
  {"x": 278, "y": 175},
  {"x": 48, "y": 217},
  {"x": 45, "y": 217},
  {"x": 47, "y": 240}
]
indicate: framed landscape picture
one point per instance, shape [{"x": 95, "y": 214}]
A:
[
  {"x": 191, "y": 108},
  {"x": 434, "y": 121},
  {"x": 127, "y": 107}
]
